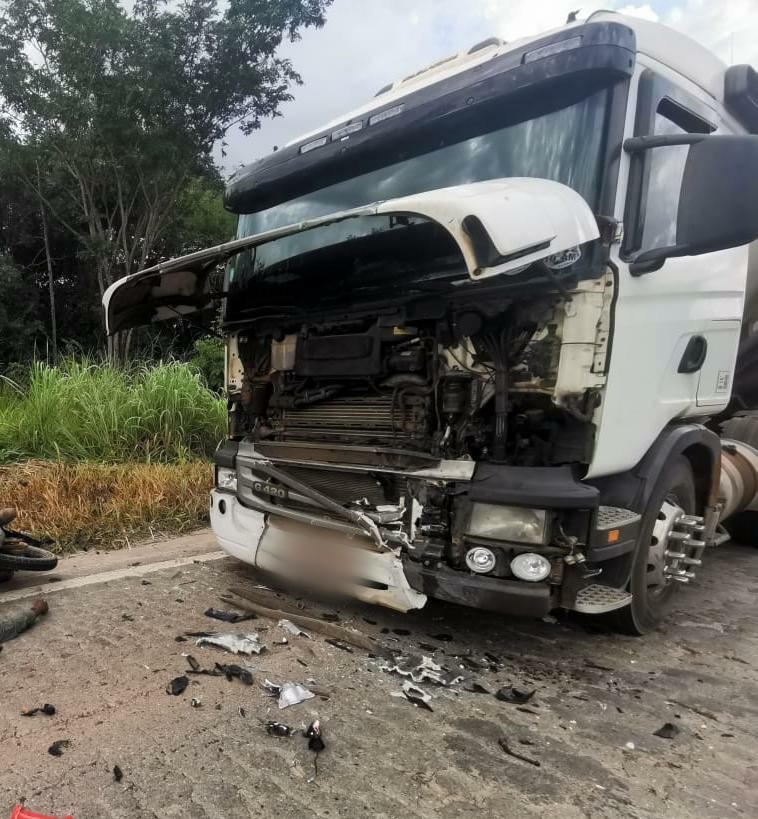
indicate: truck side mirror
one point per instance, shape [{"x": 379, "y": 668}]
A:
[{"x": 718, "y": 202}]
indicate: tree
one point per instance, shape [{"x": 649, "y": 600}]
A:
[{"x": 121, "y": 109}]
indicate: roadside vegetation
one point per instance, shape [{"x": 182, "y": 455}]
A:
[{"x": 98, "y": 456}]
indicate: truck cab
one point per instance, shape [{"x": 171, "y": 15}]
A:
[{"x": 483, "y": 331}]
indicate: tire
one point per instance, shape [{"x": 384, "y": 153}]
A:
[
  {"x": 32, "y": 559},
  {"x": 651, "y": 603},
  {"x": 744, "y": 528}
]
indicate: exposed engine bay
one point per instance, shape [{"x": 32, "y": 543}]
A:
[{"x": 473, "y": 379}]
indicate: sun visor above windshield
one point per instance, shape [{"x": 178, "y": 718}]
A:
[
  {"x": 548, "y": 72},
  {"x": 500, "y": 226}
]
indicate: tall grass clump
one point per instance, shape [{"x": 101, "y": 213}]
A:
[{"x": 89, "y": 411}]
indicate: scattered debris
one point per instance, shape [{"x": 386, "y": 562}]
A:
[
  {"x": 250, "y": 601},
  {"x": 293, "y": 694},
  {"x": 16, "y": 621},
  {"x": 422, "y": 669},
  {"x": 291, "y": 628},
  {"x": 180, "y": 639},
  {"x": 330, "y": 616},
  {"x": 178, "y": 685},
  {"x": 369, "y": 621},
  {"x": 491, "y": 658},
  {"x": 118, "y": 774},
  {"x": 192, "y": 662},
  {"x": 302, "y": 662},
  {"x": 476, "y": 688},
  {"x": 146, "y": 583},
  {"x": 241, "y": 711},
  {"x": 342, "y": 646},
  {"x": 232, "y": 671},
  {"x": 46, "y": 709},
  {"x": 401, "y": 632},
  {"x": 200, "y": 634},
  {"x": 629, "y": 746},
  {"x": 592, "y": 664},
  {"x": 279, "y": 729},
  {"x": 515, "y": 695},
  {"x": 415, "y": 695},
  {"x": 129, "y": 618},
  {"x": 229, "y": 616},
  {"x": 196, "y": 702},
  {"x": 283, "y": 642},
  {"x": 667, "y": 731},
  {"x": 503, "y": 743},
  {"x": 315, "y": 743},
  {"x": 428, "y": 647},
  {"x": 443, "y": 638},
  {"x": 234, "y": 643},
  {"x": 56, "y": 749}
]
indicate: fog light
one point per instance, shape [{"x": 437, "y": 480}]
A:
[
  {"x": 530, "y": 566},
  {"x": 480, "y": 560}
]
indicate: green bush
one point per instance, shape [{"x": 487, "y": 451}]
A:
[
  {"x": 208, "y": 360},
  {"x": 81, "y": 411}
]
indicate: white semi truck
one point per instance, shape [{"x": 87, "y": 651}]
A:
[{"x": 487, "y": 334}]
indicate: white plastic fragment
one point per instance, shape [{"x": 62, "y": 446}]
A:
[
  {"x": 290, "y": 627},
  {"x": 234, "y": 643},
  {"x": 293, "y": 694},
  {"x": 422, "y": 669}
]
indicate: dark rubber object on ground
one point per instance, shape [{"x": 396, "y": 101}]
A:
[
  {"x": 676, "y": 484},
  {"x": 32, "y": 559},
  {"x": 743, "y": 527}
]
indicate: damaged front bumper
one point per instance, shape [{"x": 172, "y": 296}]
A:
[{"x": 311, "y": 523}]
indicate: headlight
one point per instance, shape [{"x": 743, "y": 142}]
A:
[
  {"x": 508, "y": 523},
  {"x": 226, "y": 479}
]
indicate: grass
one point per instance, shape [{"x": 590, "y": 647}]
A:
[
  {"x": 99, "y": 456},
  {"x": 106, "y": 506},
  {"x": 83, "y": 411}
]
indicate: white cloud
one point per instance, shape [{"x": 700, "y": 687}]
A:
[{"x": 369, "y": 43}]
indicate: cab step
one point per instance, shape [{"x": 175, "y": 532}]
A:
[{"x": 598, "y": 599}]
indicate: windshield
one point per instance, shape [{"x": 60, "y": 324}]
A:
[{"x": 565, "y": 145}]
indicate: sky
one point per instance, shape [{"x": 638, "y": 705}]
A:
[{"x": 367, "y": 44}]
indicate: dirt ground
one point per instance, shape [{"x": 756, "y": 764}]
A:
[{"x": 106, "y": 651}]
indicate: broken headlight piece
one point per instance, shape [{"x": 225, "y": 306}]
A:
[{"x": 226, "y": 479}]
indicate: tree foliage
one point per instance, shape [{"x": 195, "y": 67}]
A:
[{"x": 116, "y": 112}]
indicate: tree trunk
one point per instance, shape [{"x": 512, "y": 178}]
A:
[{"x": 50, "y": 284}]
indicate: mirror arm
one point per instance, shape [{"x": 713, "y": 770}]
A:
[
  {"x": 652, "y": 260},
  {"x": 644, "y": 143}
]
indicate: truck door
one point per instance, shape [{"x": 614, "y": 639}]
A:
[{"x": 704, "y": 302}]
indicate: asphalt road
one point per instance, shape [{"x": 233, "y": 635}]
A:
[{"x": 107, "y": 649}]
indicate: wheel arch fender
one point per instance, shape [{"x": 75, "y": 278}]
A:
[{"x": 634, "y": 488}]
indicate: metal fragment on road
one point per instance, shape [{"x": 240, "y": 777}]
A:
[
  {"x": 291, "y": 628},
  {"x": 234, "y": 643},
  {"x": 293, "y": 694},
  {"x": 422, "y": 669},
  {"x": 414, "y": 695}
]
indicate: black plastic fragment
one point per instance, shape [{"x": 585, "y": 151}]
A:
[
  {"x": 401, "y": 632},
  {"x": 476, "y": 688},
  {"x": 279, "y": 729},
  {"x": 118, "y": 774},
  {"x": 229, "y": 616},
  {"x": 313, "y": 734},
  {"x": 515, "y": 695},
  {"x": 231, "y": 671},
  {"x": 178, "y": 685},
  {"x": 339, "y": 644},
  {"x": 330, "y": 616},
  {"x": 56, "y": 749},
  {"x": 180, "y": 639},
  {"x": 667, "y": 731},
  {"x": 46, "y": 709},
  {"x": 503, "y": 743},
  {"x": 193, "y": 663}
]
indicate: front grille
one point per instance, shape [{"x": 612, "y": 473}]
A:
[
  {"x": 375, "y": 418},
  {"x": 348, "y": 487}
]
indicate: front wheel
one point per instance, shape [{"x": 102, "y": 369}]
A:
[{"x": 651, "y": 583}]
